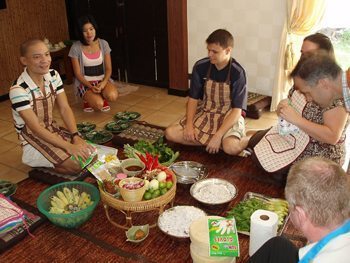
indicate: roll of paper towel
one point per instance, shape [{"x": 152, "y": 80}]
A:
[{"x": 263, "y": 226}]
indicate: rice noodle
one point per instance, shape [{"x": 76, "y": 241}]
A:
[{"x": 177, "y": 220}]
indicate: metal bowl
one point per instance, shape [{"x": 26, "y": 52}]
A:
[
  {"x": 188, "y": 172},
  {"x": 213, "y": 191}
]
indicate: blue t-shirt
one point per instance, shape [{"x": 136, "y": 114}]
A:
[{"x": 238, "y": 81}]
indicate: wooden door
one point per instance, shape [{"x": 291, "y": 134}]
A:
[
  {"x": 147, "y": 41},
  {"x": 110, "y": 19}
]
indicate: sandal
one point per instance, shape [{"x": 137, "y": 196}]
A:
[
  {"x": 87, "y": 107},
  {"x": 105, "y": 107}
]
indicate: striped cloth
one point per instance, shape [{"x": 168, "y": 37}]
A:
[{"x": 346, "y": 89}]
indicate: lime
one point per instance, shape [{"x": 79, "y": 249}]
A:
[
  {"x": 163, "y": 191},
  {"x": 155, "y": 194},
  {"x": 169, "y": 184},
  {"x": 147, "y": 196},
  {"x": 162, "y": 185}
]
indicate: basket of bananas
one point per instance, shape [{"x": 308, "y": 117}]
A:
[{"x": 69, "y": 204}]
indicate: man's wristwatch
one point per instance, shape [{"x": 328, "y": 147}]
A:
[{"x": 75, "y": 134}]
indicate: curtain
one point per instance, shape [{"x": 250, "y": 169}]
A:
[{"x": 302, "y": 17}]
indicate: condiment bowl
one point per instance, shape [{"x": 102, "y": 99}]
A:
[
  {"x": 132, "y": 163},
  {"x": 130, "y": 234},
  {"x": 132, "y": 195}
]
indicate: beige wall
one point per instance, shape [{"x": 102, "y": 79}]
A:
[
  {"x": 23, "y": 19},
  {"x": 256, "y": 26}
]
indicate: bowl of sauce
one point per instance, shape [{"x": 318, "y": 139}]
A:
[{"x": 132, "y": 167}]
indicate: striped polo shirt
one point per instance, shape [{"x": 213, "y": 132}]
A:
[{"x": 21, "y": 96}]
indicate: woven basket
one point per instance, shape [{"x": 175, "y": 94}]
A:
[{"x": 141, "y": 206}]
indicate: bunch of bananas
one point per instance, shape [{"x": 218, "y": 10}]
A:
[
  {"x": 69, "y": 201},
  {"x": 280, "y": 207}
]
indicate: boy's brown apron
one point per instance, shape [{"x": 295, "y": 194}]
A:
[
  {"x": 212, "y": 111},
  {"x": 43, "y": 108}
]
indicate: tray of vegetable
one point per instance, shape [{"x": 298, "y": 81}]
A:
[
  {"x": 99, "y": 137},
  {"x": 7, "y": 188},
  {"x": 127, "y": 115},
  {"x": 252, "y": 202},
  {"x": 117, "y": 126},
  {"x": 141, "y": 131},
  {"x": 166, "y": 155},
  {"x": 85, "y": 126}
]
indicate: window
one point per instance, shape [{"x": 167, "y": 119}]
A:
[{"x": 336, "y": 25}]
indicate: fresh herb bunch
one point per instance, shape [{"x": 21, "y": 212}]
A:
[
  {"x": 243, "y": 211},
  {"x": 166, "y": 155}
]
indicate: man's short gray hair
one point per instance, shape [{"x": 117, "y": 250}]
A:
[
  {"x": 314, "y": 66},
  {"x": 322, "y": 188}
]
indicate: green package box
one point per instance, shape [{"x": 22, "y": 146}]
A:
[
  {"x": 223, "y": 238},
  {"x": 87, "y": 161}
]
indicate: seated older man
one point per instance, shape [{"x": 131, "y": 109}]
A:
[{"x": 318, "y": 193}]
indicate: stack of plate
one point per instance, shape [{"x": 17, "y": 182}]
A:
[
  {"x": 199, "y": 235},
  {"x": 188, "y": 172}
]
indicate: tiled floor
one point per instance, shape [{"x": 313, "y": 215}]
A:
[{"x": 154, "y": 104}]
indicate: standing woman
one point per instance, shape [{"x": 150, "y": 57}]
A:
[{"x": 92, "y": 67}]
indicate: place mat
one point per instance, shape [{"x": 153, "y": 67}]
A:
[
  {"x": 140, "y": 130},
  {"x": 14, "y": 236},
  {"x": 98, "y": 238},
  {"x": 50, "y": 177}
]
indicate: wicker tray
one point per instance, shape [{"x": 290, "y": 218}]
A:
[
  {"x": 139, "y": 131},
  {"x": 128, "y": 208}
]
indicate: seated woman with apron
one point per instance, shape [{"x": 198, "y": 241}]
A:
[{"x": 321, "y": 132}]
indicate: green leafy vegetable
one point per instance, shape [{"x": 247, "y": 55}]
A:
[
  {"x": 166, "y": 155},
  {"x": 243, "y": 211}
]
